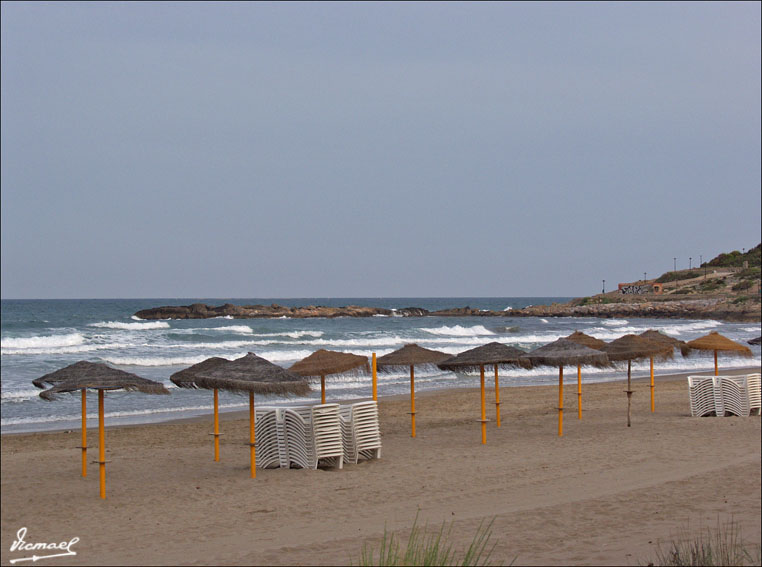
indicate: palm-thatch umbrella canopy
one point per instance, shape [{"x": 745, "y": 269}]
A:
[
  {"x": 411, "y": 355},
  {"x": 250, "y": 374},
  {"x": 492, "y": 353},
  {"x": 658, "y": 336},
  {"x": 186, "y": 378},
  {"x": 326, "y": 362},
  {"x": 84, "y": 375},
  {"x": 633, "y": 347},
  {"x": 563, "y": 352},
  {"x": 590, "y": 342},
  {"x": 716, "y": 342}
]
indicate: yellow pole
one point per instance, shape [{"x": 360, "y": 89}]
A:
[
  {"x": 252, "y": 436},
  {"x": 484, "y": 414},
  {"x": 716, "y": 370},
  {"x": 653, "y": 399},
  {"x": 497, "y": 397},
  {"x": 322, "y": 389},
  {"x": 579, "y": 391},
  {"x": 216, "y": 426},
  {"x": 101, "y": 445},
  {"x": 412, "y": 401},
  {"x": 375, "y": 379},
  {"x": 84, "y": 431},
  {"x": 560, "y": 401}
]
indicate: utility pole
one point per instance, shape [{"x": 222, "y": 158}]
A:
[{"x": 604, "y": 287}]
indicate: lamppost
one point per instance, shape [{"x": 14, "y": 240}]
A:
[
  {"x": 604, "y": 287},
  {"x": 690, "y": 262},
  {"x": 701, "y": 259},
  {"x": 674, "y": 267}
]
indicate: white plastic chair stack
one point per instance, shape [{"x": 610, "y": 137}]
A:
[
  {"x": 362, "y": 437},
  {"x": 326, "y": 430},
  {"x": 267, "y": 437},
  {"x": 755, "y": 395},
  {"x": 734, "y": 391},
  {"x": 701, "y": 393},
  {"x": 298, "y": 436}
]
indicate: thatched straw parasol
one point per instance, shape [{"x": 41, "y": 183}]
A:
[
  {"x": 250, "y": 374},
  {"x": 633, "y": 347},
  {"x": 492, "y": 353},
  {"x": 411, "y": 355},
  {"x": 590, "y": 342},
  {"x": 326, "y": 362},
  {"x": 716, "y": 342},
  {"x": 658, "y": 336},
  {"x": 84, "y": 375},
  {"x": 560, "y": 353}
]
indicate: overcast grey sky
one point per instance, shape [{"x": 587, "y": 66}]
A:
[{"x": 363, "y": 149}]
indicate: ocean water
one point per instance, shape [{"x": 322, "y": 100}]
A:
[{"x": 40, "y": 336}]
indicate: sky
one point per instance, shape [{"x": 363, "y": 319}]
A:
[{"x": 373, "y": 149}]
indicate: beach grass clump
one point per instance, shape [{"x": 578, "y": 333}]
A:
[
  {"x": 722, "y": 545},
  {"x": 426, "y": 547}
]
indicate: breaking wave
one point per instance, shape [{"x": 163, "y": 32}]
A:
[{"x": 131, "y": 326}]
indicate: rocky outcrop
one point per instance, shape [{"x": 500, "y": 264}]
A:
[{"x": 720, "y": 309}]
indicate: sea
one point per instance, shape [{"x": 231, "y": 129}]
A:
[{"x": 40, "y": 336}]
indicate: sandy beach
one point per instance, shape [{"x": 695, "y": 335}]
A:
[{"x": 602, "y": 494}]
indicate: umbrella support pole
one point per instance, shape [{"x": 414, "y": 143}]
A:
[
  {"x": 579, "y": 391},
  {"x": 84, "y": 432},
  {"x": 653, "y": 398},
  {"x": 322, "y": 389},
  {"x": 252, "y": 437},
  {"x": 216, "y": 426},
  {"x": 497, "y": 398},
  {"x": 412, "y": 402},
  {"x": 716, "y": 368},
  {"x": 629, "y": 392},
  {"x": 101, "y": 445},
  {"x": 375, "y": 379},
  {"x": 484, "y": 414},
  {"x": 560, "y": 401}
]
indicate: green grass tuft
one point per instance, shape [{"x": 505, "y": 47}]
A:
[
  {"x": 721, "y": 546},
  {"x": 429, "y": 548}
]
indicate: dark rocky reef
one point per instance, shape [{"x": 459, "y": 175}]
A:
[{"x": 720, "y": 309}]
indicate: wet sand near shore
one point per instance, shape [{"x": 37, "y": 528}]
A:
[{"x": 601, "y": 494}]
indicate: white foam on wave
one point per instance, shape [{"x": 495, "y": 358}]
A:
[
  {"x": 20, "y": 344},
  {"x": 509, "y": 308},
  {"x": 240, "y": 329},
  {"x": 20, "y": 395},
  {"x": 615, "y": 322},
  {"x": 459, "y": 331},
  {"x": 113, "y": 414},
  {"x": 131, "y": 326},
  {"x": 544, "y": 320},
  {"x": 66, "y": 350},
  {"x": 136, "y": 318},
  {"x": 162, "y": 360}
]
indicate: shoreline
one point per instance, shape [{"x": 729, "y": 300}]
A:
[
  {"x": 237, "y": 414},
  {"x": 666, "y": 473}
]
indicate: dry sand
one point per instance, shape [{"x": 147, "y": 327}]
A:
[{"x": 601, "y": 494}]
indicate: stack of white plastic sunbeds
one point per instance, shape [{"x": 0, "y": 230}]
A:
[
  {"x": 725, "y": 395},
  {"x": 309, "y": 436}
]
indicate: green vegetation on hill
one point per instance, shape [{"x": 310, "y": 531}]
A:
[{"x": 735, "y": 259}]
